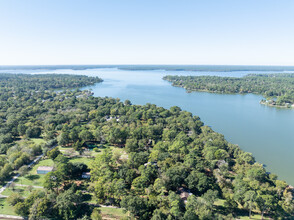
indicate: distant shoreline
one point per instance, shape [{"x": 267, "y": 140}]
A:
[{"x": 193, "y": 68}]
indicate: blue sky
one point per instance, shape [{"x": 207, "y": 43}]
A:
[{"x": 237, "y": 32}]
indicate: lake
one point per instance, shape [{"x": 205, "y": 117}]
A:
[{"x": 265, "y": 131}]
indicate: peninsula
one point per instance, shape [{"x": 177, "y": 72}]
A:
[{"x": 278, "y": 89}]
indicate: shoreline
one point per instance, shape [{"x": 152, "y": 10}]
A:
[
  {"x": 276, "y": 106},
  {"x": 262, "y": 102}
]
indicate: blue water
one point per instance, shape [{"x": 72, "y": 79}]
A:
[{"x": 265, "y": 131}]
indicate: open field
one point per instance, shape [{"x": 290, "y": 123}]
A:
[
  {"x": 22, "y": 190},
  {"x": 253, "y": 217},
  {"x": 85, "y": 160},
  {"x": 112, "y": 213},
  {"x": 76, "y": 158},
  {"x": 38, "y": 140}
]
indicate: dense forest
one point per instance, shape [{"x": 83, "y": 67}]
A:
[
  {"x": 25, "y": 105},
  {"x": 170, "y": 166},
  {"x": 278, "y": 89},
  {"x": 18, "y": 83}
]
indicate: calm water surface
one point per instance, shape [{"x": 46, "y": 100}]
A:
[{"x": 267, "y": 132}]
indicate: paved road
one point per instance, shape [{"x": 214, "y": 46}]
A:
[
  {"x": 40, "y": 187},
  {"x": 109, "y": 206},
  {"x": 10, "y": 217},
  {"x": 8, "y": 184}
]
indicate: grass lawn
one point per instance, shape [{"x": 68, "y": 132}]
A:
[
  {"x": 22, "y": 190},
  {"x": 64, "y": 148},
  {"x": 253, "y": 217},
  {"x": 85, "y": 160},
  {"x": 38, "y": 140},
  {"x": 94, "y": 154},
  {"x": 88, "y": 160},
  {"x": 32, "y": 178},
  {"x": 241, "y": 215},
  {"x": 5, "y": 208},
  {"x": 220, "y": 202},
  {"x": 67, "y": 150},
  {"x": 112, "y": 213}
]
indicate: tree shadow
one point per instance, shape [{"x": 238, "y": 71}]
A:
[
  {"x": 2, "y": 200},
  {"x": 87, "y": 197},
  {"x": 17, "y": 190},
  {"x": 33, "y": 177}
]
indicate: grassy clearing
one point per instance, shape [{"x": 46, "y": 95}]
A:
[
  {"x": 46, "y": 162},
  {"x": 5, "y": 208},
  {"x": 85, "y": 160},
  {"x": 38, "y": 140},
  {"x": 253, "y": 217},
  {"x": 93, "y": 154},
  {"x": 32, "y": 178},
  {"x": 242, "y": 214},
  {"x": 68, "y": 151},
  {"x": 220, "y": 202},
  {"x": 64, "y": 148},
  {"x": 22, "y": 190},
  {"x": 112, "y": 213}
]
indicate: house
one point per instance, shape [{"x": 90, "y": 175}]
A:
[
  {"x": 86, "y": 175},
  {"x": 184, "y": 193},
  {"x": 150, "y": 163},
  {"x": 108, "y": 118},
  {"x": 44, "y": 169}
]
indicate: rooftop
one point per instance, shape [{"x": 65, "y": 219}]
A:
[{"x": 45, "y": 168}]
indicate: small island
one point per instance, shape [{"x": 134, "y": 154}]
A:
[{"x": 278, "y": 89}]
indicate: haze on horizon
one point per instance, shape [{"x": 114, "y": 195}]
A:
[{"x": 214, "y": 32}]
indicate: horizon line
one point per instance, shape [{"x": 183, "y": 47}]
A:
[{"x": 266, "y": 65}]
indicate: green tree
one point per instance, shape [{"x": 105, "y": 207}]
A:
[
  {"x": 198, "y": 182},
  {"x": 40, "y": 209},
  {"x": 86, "y": 135},
  {"x": 52, "y": 154},
  {"x": 66, "y": 203},
  {"x": 176, "y": 205},
  {"x": 63, "y": 139},
  {"x": 265, "y": 203},
  {"x": 53, "y": 180},
  {"x": 158, "y": 215},
  {"x": 21, "y": 209},
  {"x": 250, "y": 198},
  {"x": 96, "y": 214},
  {"x": 23, "y": 170},
  {"x": 14, "y": 198},
  {"x": 33, "y": 132},
  {"x": 21, "y": 128},
  {"x": 137, "y": 206}
]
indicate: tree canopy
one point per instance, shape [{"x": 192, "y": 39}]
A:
[
  {"x": 278, "y": 88},
  {"x": 169, "y": 166}
]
